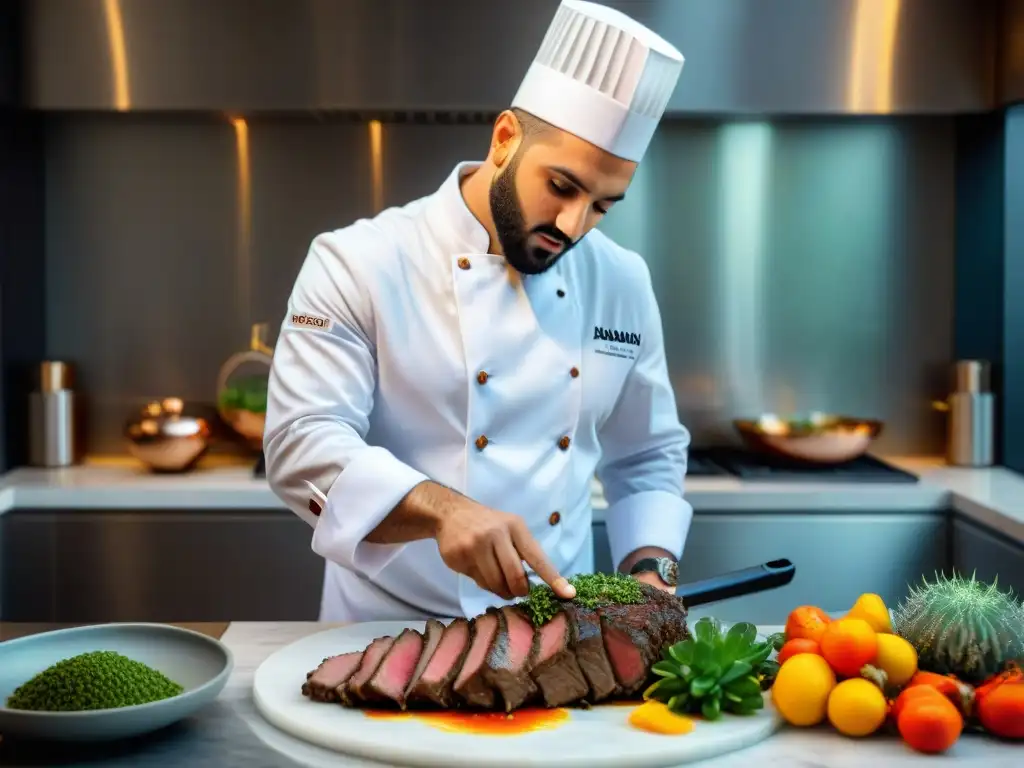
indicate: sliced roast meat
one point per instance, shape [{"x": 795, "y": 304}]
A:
[
  {"x": 508, "y": 664},
  {"x": 635, "y": 635},
  {"x": 392, "y": 677},
  {"x": 555, "y": 670},
  {"x": 432, "y": 634},
  {"x": 351, "y": 693},
  {"x": 500, "y": 660},
  {"x": 322, "y": 683},
  {"x": 471, "y": 684},
  {"x": 590, "y": 653},
  {"x": 434, "y": 685}
]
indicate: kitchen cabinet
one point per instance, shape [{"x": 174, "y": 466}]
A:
[
  {"x": 837, "y": 556},
  {"x": 9, "y": 30},
  {"x": 257, "y": 565},
  {"x": 197, "y": 565},
  {"x": 987, "y": 554}
]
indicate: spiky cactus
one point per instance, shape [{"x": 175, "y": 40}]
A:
[{"x": 962, "y": 626}]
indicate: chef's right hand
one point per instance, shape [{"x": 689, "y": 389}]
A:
[{"x": 490, "y": 546}]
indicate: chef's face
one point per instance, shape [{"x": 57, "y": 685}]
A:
[{"x": 548, "y": 192}]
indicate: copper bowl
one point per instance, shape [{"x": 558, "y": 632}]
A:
[
  {"x": 819, "y": 438},
  {"x": 165, "y": 438}
]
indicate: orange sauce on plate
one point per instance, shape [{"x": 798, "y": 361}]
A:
[{"x": 483, "y": 723}]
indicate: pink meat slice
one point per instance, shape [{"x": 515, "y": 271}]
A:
[
  {"x": 432, "y": 634},
  {"x": 508, "y": 664},
  {"x": 552, "y": 637},
  {"x": 485, "y": 626},
  {"x": 472, "y": 684},
  {"x": 322, "y": 683},
  {"x": 435, "y": 683},
  {"x": 555, "y": 670},
  {"x": 626, "y": 659},
  {"x": 448, "y": 651},
  {"x": 395, "y": 671},
  {"x": 372, "y": 657},
  {"x": 520, "y": 637}
]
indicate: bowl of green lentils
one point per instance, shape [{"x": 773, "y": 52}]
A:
[{"x": 107, "y": 681}]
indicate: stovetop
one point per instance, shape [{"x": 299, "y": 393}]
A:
[{"x": 749, "y": 465}]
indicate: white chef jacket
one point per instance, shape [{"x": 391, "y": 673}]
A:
[{"x": 409, "y": 353}]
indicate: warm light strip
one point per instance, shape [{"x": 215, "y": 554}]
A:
[
  {"x": 377, "y": 164},
  {"x": 870, "y": 86},
  {"x": 244, "y": 184},
  {"x": 118, "y": 57}
]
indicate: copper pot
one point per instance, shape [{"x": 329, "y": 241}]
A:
[
  {"x": 244, "y": 407},
  {"x": 820, "y": 438},
  {"x": 166, "y": 439}
]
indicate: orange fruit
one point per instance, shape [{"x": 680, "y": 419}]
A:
[
  {"x": 849, "y": 644},
  {"x": 795, "y": 646},
  {"x": 807, "y": 622}
]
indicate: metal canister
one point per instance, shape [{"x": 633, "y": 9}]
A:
[
  {"x": 971, "y": 439},
  {"x": 53, "y": 417}
]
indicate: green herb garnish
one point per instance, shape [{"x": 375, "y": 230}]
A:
[
  {"x": 95, "y": 680},
  {"x": 714, "y": 672},
  {"x": 592, "y": 590}
]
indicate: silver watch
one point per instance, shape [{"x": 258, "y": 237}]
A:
[{"x": 666, "y": 568}]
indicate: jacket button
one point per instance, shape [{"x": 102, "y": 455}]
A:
[
  {"x": 564, "y": 443},
  {"x": 481, "y": 442},
  {"x": 482, "y": 377},
  {"x": 555, "y": 517},
  {"x": 560, "y": 293},
  {"x": 463, "y": 262},
  {"x": 574, "y": 371}
]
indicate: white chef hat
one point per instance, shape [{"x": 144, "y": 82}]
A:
[{"x": 601, "y": 76}]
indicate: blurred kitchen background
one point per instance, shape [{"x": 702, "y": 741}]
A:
[
  {"x": 164, "y": 165},
  {"x": 833, "y": 211}
]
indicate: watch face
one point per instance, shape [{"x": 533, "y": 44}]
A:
[{"x": 669, "y": 571}]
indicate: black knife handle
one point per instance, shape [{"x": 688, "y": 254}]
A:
[{"x": 758, "y": 578}]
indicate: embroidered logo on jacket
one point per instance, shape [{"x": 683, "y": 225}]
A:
[
  {"x": 620, "y": 337},
  {"x": 617, "y": 343},
  {"x": 311, "y": 321}
]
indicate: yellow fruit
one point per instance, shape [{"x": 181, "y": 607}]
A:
[
  {"x": 897, "y": 658},
  {"x": 801, "y": 689},
  {"x": 857, "y": 707},
  {"x": 656, "y": 717},
  {"x": 871, "y": 608}
]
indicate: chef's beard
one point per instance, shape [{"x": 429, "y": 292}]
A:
[{"x": 510, "y": 226}]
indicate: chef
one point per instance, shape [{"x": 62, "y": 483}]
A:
[{"x": 450, "y": 375}]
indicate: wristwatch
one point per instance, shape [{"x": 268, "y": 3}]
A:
[{"x": 666, "y": 568}]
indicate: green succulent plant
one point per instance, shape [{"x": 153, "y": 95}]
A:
[{"x": 714, "y": 671}]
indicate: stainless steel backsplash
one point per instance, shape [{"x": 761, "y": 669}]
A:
[{"x": 800, "y": 264}]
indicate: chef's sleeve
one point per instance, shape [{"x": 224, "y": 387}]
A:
[
  {"x": 319, "y": 401},
  {"x": 644, "y": 451}
]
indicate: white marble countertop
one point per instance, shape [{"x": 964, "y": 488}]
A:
[
  {"x": 993, "y": 497},
  {"x": 252, "y": 642}
]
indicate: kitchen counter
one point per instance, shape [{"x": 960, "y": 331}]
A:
[
  {"x": 231, "y": 733},
  {"x": 991, "y": 497}
]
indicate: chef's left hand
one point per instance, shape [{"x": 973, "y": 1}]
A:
[{"x": 649, "y": 577}]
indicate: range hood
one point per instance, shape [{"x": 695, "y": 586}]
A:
[{"x": 467, "y": 56}]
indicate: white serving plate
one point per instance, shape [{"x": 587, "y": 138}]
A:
[{"x": 596, "y": 738}]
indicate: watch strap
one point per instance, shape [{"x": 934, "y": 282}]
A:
[{"x": 666, "y": 568}]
